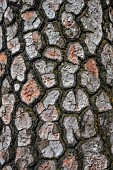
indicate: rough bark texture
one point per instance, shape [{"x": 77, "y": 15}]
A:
[{"x": 56, "y": 85}]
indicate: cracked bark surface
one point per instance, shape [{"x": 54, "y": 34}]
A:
[{"x": 56, "y": 85}]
